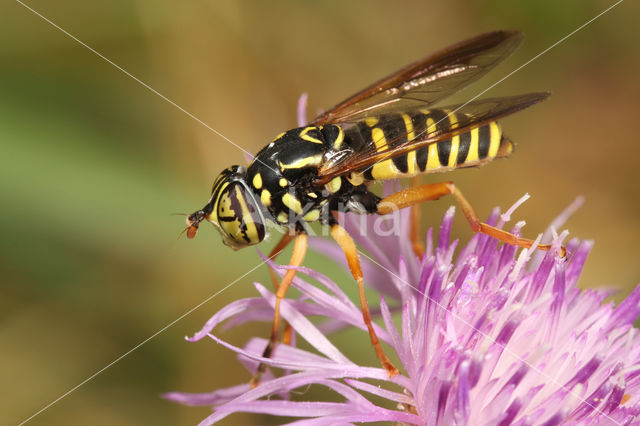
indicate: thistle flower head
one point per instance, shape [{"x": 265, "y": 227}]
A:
[{"x": 484, "y": 336}]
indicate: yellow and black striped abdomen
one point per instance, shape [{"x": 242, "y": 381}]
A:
[{"x": 471, "y": 148}]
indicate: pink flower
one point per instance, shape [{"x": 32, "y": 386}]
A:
[{"x": 485, "y": 338}]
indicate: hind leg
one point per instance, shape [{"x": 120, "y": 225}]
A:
[{"x": 415, "y": 195}]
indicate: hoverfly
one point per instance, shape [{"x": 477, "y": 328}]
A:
[{"x": 388, "y": 130}]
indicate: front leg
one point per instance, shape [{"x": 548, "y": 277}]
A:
[{"x": 299, "y": 251}]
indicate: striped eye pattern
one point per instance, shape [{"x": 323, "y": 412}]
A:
[{"x": 238, "y": 215}]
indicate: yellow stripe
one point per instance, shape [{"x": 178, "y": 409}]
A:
[
  {"x": 453, "y": 119},
  {"x": 220, "y": 182},
  {"x": 453, "y": 155},
  {"x": 338, "y": 142},
  {"x": 431, "y": 126},
  {"x": 412, "y": 165},
  {"x": 494, "y": 134},
  {"x": 411, "y": 135},
  {"x": 224, "y": 206},
  {"x": 222, "y": 185},
  {"x": 251, "y": 231},
  {"x": 408, "y": 124},
  {"x": 473, "y": 147},
  {"x": 384, "y": 170},
  {"x": 378, "y": 138},
  {"x": 371, "y": 121},
  {"x": 292, "y": 203},
  {"x": 306, "y": 137},
  {"x": 455, "y": 141},
  {"x": 312, "y": 160},
  {"x": 432, "y": 158}
]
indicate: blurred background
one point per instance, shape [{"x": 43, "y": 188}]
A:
[{"x": 93, "y": 164}]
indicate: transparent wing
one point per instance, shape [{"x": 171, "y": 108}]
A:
[
  {"x": 428, "y": 80},
  {"x": 467, "y": 117}
]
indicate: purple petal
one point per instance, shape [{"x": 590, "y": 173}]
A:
[
  {"x": 615, "y": 398},
  {"x": 304, "y": 327},
  {"x": 594, "y": 400},
  {"x": 629, "y": 310},
  {"x": 577, "y": 262},
  {"x": 443, "y": 395},
  {"x": 557, "y": 305},
  {"x": 381, "y": 392},
  {"x": 208, "y": 398},
  {"x": 462, "y": 408},
  {"x": 556, "y": 224},
  {"x": 396, "y": 417},
  {"x": 232, "y": 309},
  {"x": 554, "y": 420},
  {"x": 279, "y": 408},
  {"x": 456, "y": 330},
  {"x": 507, "y": 332},
  {"x": 445, "y": 229},
  {"x": 585, "y": 372},
  {"x": 249, "y": 402},
  {"x": 302, "y": 110},
  {"x": 541, "y": 276},
  {"x": 391, "y": 329},
  {"x": 376, "y": 277},
  {"x": 510, "y": 413}
]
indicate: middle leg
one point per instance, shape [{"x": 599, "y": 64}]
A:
[
  {"x": 345, "y": 241},
  {"x": 414, "y": 224}
]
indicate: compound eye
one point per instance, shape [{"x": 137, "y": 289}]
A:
[{"x": 240, "y": 217}]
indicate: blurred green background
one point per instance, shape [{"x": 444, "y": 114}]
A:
[{"x": 92, "y": 164}]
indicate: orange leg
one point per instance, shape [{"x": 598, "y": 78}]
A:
[
  {"x": 419, "y": 194},
  {"x": 414, "y": 225},
  {"x": 299, "y": 251},
  {"x": 348, "y": 246},
  {"x": 282, "y": 244}
]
